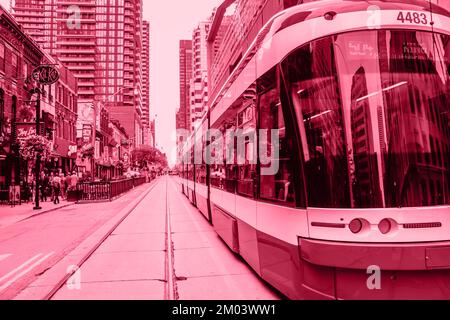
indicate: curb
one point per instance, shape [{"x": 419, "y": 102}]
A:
[
  {"x": 46, "y": 286},
  {"x": 47, "y": 211}
]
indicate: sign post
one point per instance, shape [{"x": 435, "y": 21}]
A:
[{"x": 43, "y": 75}]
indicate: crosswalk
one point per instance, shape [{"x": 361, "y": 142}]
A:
[{"x": 9, "y": 278}]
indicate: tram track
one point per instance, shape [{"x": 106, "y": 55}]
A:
[
  {"x": 171, "y": 284},
  {"x": 86, "y": 256}
]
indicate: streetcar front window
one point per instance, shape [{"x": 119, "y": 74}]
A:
[{"x": 373, "y": 110}]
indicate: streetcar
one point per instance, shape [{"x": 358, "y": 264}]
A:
[{"x": 358, "y": 94}]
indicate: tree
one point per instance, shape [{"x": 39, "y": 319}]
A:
[{"x": 146, "y": 156}]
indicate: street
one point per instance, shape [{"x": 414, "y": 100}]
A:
[
  {"x": 163, "y": 249},
  {"x": 224, "y": 150}
]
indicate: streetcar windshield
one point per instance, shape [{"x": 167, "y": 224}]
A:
[{"x": 373, "y": 114}]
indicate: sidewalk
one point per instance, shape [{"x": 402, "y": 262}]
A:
[{"x": 10, "y": 215}]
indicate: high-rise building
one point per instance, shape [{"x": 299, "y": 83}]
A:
[
  {"x": 235, "y": 24},
  {"x": 101, "y": 43},
  {"x": 199, "y": 81},
  {"x": 66, "y": 31},
  {"x": 183, "y": 114},
  {"x": 120, "y": 30},
  {"x": 146, "y": 82}
]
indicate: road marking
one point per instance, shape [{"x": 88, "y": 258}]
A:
[
  {"x": 21, "y": 274},
  {"x": 23, "y": 265},
  {"x": 4, "y": 256}
]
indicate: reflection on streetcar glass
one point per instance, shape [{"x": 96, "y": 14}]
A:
[{"x": 373, "y": 114}]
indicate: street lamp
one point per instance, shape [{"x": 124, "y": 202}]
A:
[
  {"x": 43, "y": 75},
  {"x": 37, "y": 168}
]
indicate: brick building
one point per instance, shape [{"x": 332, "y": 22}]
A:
[{"x": 19, "y": 55}]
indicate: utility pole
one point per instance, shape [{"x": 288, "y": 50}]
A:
[
  {"x": 94, "y": 138},
  {"x": 14, "y": 144},
  {"x": 37, "y": 168},
  {"x": 43, "y": 75}
]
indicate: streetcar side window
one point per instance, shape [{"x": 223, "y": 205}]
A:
[
  {"x": 246, "y": 144},
  {"x": 199, "y": 161},
  {"x": 311, "y": 76},
  {"x": 191, "y": 165},
  {"x": 231, "y": 168},
  {"x": 201, "y": 168},
  {"x": 217, "y": 170},
  {"x": 276, "y": 187}
]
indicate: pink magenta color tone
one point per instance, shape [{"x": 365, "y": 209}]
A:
[
  {"x": 170, "y": 22},
  {"x": 319, "y": 168}
]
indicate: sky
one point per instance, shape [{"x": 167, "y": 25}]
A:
[{"x": 170, "y": 21}]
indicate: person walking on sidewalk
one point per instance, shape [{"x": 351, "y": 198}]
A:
[
  {"x": 63, "y": 184},
  {"x": 44, "y": 184},
  {"x": 73, "y": 181},
  {"x": 56, "y": 189}
]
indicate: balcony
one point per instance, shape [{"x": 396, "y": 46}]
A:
[
  {"x": 83, "y": 67},
  {"x": 77, "y": 59},
  {"x": 82, "y": 91},
  {"x": 88, "y": 3},
  {"x": 76, "y": 42},
  {"x": 75, "y": 50}
]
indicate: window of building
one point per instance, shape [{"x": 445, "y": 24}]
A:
[
  {"x": 14, "y": 64},
  {"x": 24, "y": 70}
]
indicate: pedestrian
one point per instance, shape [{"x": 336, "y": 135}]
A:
[
  {"x": 56, "y": 189},
  {"x": 44, "y": 186},
  {"x": 50, "y": 188},
  {"x": 63, "y": 185},
  {"x": 73, "y": 181}
]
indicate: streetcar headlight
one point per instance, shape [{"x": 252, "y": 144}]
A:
[
  {"x": 385, "y": 226},
  {"x": 356, "y": 225}
]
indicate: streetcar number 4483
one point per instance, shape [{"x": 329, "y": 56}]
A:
[{"x": 412, "y": 17}]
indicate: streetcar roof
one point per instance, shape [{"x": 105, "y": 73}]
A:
[{"x": 311, "y": 10}]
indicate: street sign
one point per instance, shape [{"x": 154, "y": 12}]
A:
[{"x": 46, "y": 74}]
